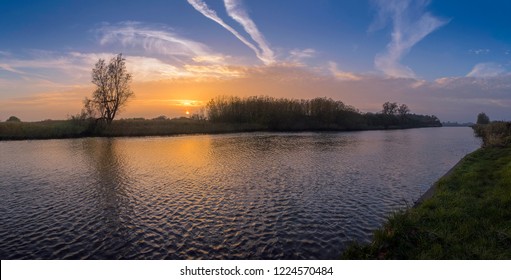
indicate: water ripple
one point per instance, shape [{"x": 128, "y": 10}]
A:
[{"x": 239, "y": 196}]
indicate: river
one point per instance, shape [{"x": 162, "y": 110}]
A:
[{"x": 231, "y": 196}]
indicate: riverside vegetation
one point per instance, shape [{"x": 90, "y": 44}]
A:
[
  {"x": 468, "y": 216},
  {"x": 229, "y": 114}
]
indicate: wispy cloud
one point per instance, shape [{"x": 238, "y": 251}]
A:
[
  {"x": 152, "y": 69},
  {"x": 298, "y": 55},
  {"x": 152, "y": 40},
  {"x": 342, "y": 75},
  {"x": 11, "y": 69},
  {"x": 266, "y": 56},
  {"x": 479, "y": 51},
  {"x": 58, "y": 69},
  {"x": 74, "y": 68},
  {"x": 486, "y": 70},
  {"x": 217, "y": 59},
  {"x": 220, "y": 71},
  {"x": 235, "y": 11},
  {"x": 410, "y": 24}
]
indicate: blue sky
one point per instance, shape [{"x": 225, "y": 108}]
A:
[{"x": 448, "y": 58}]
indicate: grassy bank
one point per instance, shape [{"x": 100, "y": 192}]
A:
[
  {"x": 118, "y": 128},
  {"x": 468, "y": 217},
  {"x": 140, "y": 127},
  {"x": 41, "y": 130},
  {"x": 171, "y": 127}
]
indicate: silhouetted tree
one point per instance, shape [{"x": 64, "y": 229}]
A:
[
  {"x": 389, "y": 108},
  {"x": 315, "y": 114},
  {"x": 160, "y": 118},
  {"x": 13, "y": 119},
  {"x": 482, "y": 118},
  {"x": 113, "y": 90},
  {"x": 403, "y": 110}
]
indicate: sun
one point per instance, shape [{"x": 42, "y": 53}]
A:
[{"x": 187, "y": 112}]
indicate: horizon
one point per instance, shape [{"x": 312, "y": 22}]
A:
[{"x": 438, "y": 58}]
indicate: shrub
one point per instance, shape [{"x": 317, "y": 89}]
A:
[
  {"x": 13, "y": 119},
  {"x": 495, "y": 134}
]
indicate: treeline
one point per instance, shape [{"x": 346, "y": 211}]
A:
[
  {"x": 229, "y": 114},
  {"x": 311, "y": 114}
]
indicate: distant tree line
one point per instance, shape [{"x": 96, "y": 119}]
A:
[
  {"x": 394, "y": 115},
  {"x": 311, "y": 114}
]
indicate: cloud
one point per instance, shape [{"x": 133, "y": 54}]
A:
[
  {"x": 163, "y": 55},
  {"x": 410, "y": 24},
  {"x": 495, "y": 87},
  {"x": 479, "y": 51},
  {"x": 48, "y": 61},
  {"x": 341, "y": 75},
  {"x": 220, "y": 71},
  {"x": 265, "y": 57},
  {"x": 485, "y": 70},
  {"x": 51, "y": 69},
  {"x": 217, "y": 59},
  {"x": 235, "y": 11},
  {"x": 43, "y": 69},
  {"x": 152, "y": 69},
  {"x": 152, "y": 40},
  {"x": 299, "y": 55},
  {"x": 10, "y": 69}
]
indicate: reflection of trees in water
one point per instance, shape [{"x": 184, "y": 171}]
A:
[{"x": 113, "y": 210}]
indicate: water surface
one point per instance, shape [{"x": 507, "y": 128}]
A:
[{"x": 235, "y": 196}]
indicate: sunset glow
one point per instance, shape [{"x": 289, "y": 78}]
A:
[{"x": 432, "y": 55}]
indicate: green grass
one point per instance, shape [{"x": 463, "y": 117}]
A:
[{"x": 468, "y": 217}]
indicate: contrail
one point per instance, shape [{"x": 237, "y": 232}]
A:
[
  {"x": 201, "y": 7},
  {"x": 408, "y": 30},
  {"x": 235, "y": 11}
]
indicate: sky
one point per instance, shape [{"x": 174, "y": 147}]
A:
[{"x": 451, "y": 59}]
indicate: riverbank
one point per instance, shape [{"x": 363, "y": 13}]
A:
[
  {"x": 61, "y": 129},
  {"x": 467, "y": 217}
]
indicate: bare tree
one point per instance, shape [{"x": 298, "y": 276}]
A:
[
  {"x": 389, "y": 108},
  {"x": 403, "y": 110},
  {"x": 113, "y": 90}
]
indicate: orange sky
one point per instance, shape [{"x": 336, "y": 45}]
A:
[{"x": 173, "y": 97}]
